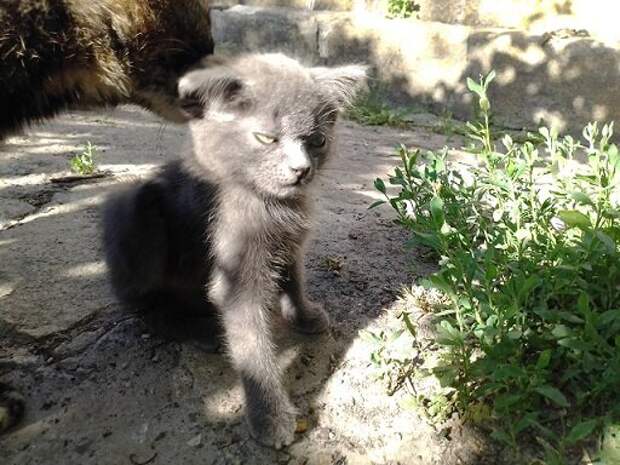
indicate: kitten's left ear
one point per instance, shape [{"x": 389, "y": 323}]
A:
[
  {"x": 341, "y": 83},
  {"x": 204, "y": 87}
]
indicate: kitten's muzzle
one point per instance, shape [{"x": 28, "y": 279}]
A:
[{"x": 298, "y": 161}]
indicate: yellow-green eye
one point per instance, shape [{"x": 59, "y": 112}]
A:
[
  {"x": 316, "y": 140},
  {"x": 265, "y": 139}
]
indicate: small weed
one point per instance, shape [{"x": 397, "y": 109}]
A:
[
  {"x": 402, "y": 8},
  {"x": 84, "y": 163},
  {"x": 449, "y": 126},
  {"x": 333, "y": 263},
  {"x": 371, "y": 109},
  {"x": 528, "y": 243}
]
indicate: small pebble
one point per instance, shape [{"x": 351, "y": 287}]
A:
[{"x": 195, "y": 441}]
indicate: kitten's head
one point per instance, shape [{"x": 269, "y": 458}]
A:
[{"x": 265, "y": 121}]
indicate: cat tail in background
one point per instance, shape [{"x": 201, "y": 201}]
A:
[{"x": 342, "y": 82}]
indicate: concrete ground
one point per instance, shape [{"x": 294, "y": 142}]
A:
[{"x": 103, "y": 386}]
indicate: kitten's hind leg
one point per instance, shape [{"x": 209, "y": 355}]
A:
[
  {"x": 270, "y": 414},
  {"x": 301, "y": 313},
  {"x": 134, "y": 238}
]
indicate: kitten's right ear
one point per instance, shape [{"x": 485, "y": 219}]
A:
[
  {"x": 199, "y": 89},
  {"x": 341, "y": 83}
]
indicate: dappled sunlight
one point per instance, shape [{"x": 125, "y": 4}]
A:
[
  {"x": 134, "y": 168},
  {"x": 538, "y": 75},
  {"x": 86, "y": 270},
  {"x": 7, "y": 286},
  {"x": 65, "y": 208},
  {"x": 30, "y": 179},
  {"x": 43, "y": 138},
  {"x": 217, "y": 409}
]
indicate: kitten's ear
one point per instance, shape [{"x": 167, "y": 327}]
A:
[
  {"x": 201, "y": 88},
  {"x": 341, "y": 83}
]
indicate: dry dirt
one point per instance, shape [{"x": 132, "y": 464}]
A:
[{"x": 102, "y": 387}]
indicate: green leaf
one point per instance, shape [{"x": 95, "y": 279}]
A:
[
  {"x": 611, "y": 213},
  {"x": 525, "y": 422},
  {"x": 446, "y": 229},
  {"x": 380, "y": 185},
  {"x": 505, "y": 401},
  {"x": 561, "y": 331},
  {"x": 448, "y": 335},
  {"x": 473, "y": 86},
  {"x": 583, "y": 304},
  {"x": 543, "y": 359},
  {"x": 609, "y": 243},
  {"x": 553, "y": 394},
  {"x": 436, "y": 207},
  {"x": 567, "y": 316},
  {"x": 369, "y": 336},
  {"x": 581, "y": 431},
  {"x": 376, "y": 204},
  {"x": 489, "y": 78},
  {"x": 484, "y": 104},
  {"x": 408, "y": 323},
  {"x": 614, "y": 156},
  {"x": 395, "y": 335},
  {"x": 574, "y": 218},
  {"x": 502, "y": 436},
  {"x": 439, "y": 282},
  {"x": 607, "y": 318},
  {"x": 574, "y": 344},
  {"x": 581, "y": 197}
]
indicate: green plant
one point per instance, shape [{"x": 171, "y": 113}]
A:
[
  {"x": 402, "y": 8},
  {"x": 84, "y": 163},
  {"x": 449, "y": 126},
  {"x": 528, "y": 243},
  {"x": 393, "y": 354},
  {"x": 371, "y": 109}
]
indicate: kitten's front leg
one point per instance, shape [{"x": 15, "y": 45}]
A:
[
  {"x": 270, "y": 414},
  {"x": 304, "y": 315}
]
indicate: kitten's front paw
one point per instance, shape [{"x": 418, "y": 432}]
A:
[{"x": 275, "y": 431}]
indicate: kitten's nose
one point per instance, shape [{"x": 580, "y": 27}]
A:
[{"x": 301, "y": 172}]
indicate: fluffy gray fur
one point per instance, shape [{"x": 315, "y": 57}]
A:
[{"x": 226, "y": 225}]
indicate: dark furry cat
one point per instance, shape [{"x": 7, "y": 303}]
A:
[
  {"x": 228, "y": 223},
  {"x": 61, "y": 54}
]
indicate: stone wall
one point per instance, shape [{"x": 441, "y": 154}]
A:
[
  {"x": 561, "y": 80},
  {"x": 598, "y": 17}
]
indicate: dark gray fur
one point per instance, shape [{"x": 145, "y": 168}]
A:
[{"x": 227, "y": 224}]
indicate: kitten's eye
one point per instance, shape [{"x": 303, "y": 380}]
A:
[
  {"x": 265, "y": 139},
  {"x": 316, "y": 140}
]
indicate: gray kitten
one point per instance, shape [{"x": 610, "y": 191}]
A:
[{"x": 227, "y": 224}]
